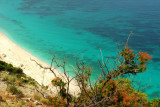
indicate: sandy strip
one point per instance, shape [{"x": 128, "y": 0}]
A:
[{"x": 17, "y": 56}]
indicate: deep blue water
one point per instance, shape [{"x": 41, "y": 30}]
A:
[{"x": 70, "y": 27}]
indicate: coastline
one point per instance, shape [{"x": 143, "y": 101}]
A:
[{"x": 19, "y": 57}]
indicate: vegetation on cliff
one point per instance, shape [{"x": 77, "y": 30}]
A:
[
  {"x": 111, "y": 89},
  {"x": 17, "y": 89}
]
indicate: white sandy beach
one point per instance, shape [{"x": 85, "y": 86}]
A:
[{"x": 17, "y": 56}]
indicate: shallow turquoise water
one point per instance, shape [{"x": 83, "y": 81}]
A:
[{"x": 70, "y": 27}]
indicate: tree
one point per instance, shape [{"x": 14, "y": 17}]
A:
[{"x": 110, "y": 89}]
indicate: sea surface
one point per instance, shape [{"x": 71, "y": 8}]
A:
[{"x": 70, "y": 28}]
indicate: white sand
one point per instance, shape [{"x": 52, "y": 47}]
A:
[{"x": 17, "y": 56}]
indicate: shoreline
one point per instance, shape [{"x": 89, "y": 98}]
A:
[{"x": 12, "y": 53}]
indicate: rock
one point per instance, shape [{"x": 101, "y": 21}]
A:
[
  {"x": 23, "y": 78},
  {"x": 21, "y": 65},
  {"x": 4, "y": 55},
  {"x": 28, "y": 99}
]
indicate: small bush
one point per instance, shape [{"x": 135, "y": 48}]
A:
[
  {"x": 57, "y": 101},
  {"x": 37, "y": 96},
  {"x": 9, "y": 67},
  {"x": 5, "y": 77},
  {"x": 45, "y": 87},
  {"x": 19, "y": 82},
  {"x": 2, "y": 67},
  {"x": 31, "y": 81},
  {"x": 15, "y": 91},
  {"x": 11, "y": 80},
  {"x": 44, "y": 101}
]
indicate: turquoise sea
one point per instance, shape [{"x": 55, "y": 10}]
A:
[{"x": 82, "y": 27}]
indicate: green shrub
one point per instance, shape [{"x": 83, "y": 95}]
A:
[
  {"x": 155, "y": 103},
  {"x": 44, "y": 101},
  {"x": 14, "y": 90},
  {"x": 11, "y": 80},
  {"x": 9, "y": 67},
  {"x": 2, "y": 67},
  {"x": 5, "y": 77},
  {"x": 19, "y": 82}
]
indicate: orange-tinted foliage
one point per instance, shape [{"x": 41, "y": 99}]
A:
[
  {"x": 56, "y": 101},
  {"x": 144, "y": 56}
]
